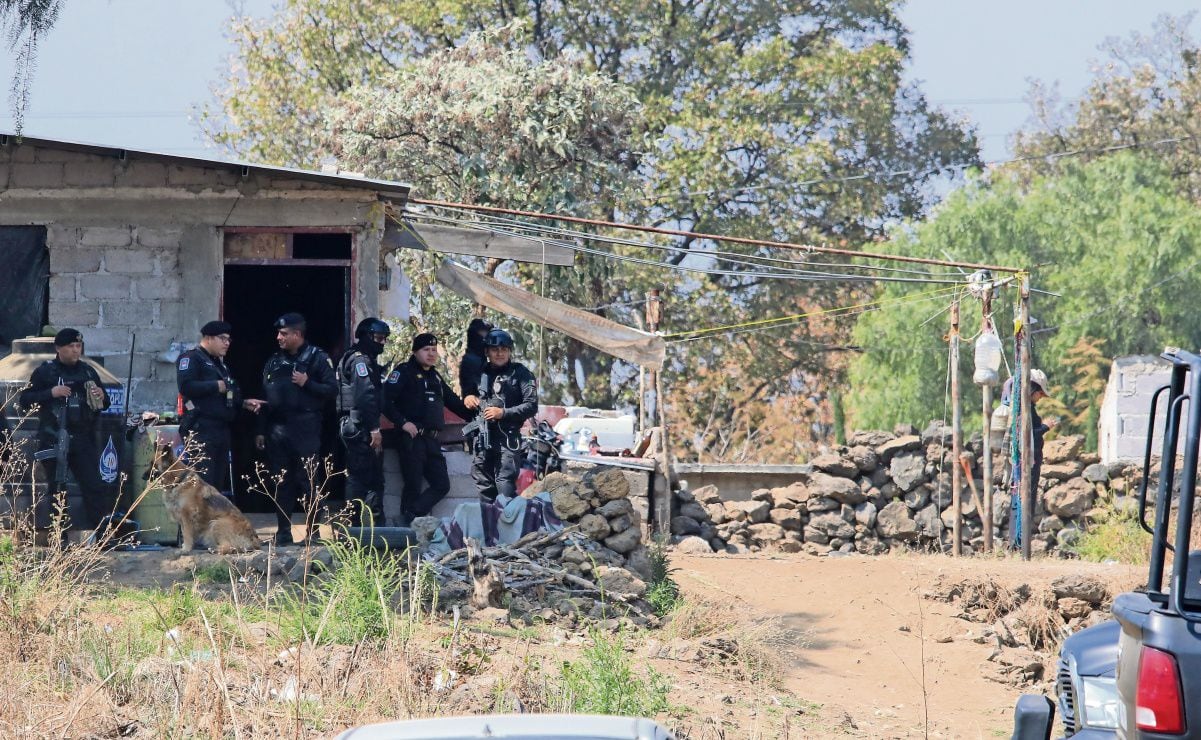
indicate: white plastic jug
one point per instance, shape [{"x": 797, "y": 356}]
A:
[{"x": 988, "y": 359}]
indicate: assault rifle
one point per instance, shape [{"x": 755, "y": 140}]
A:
[
  {"x": 60, "y": 449},
  {"x": 479, "y": 425}
]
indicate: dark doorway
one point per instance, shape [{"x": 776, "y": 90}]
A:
[
  {"x": 254, "y": 296},
  {"x": 24, "y": 283}
]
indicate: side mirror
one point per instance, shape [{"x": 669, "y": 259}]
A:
[{"x": 1033, "y": 717}]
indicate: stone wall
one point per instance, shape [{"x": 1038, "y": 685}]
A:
[{"x": 893, "y": 490}]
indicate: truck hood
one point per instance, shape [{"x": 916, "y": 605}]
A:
[{"x": 1095, "y": 649}]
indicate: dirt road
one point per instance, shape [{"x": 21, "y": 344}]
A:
[{"x": 869, "y": 645}]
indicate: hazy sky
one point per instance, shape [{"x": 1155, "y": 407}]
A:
[{"x": 129, "y": 72}]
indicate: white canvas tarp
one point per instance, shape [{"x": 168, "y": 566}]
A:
[{"x": 631, "y": 345}]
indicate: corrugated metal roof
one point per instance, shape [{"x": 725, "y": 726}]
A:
[{"x": 387, "y": 188}]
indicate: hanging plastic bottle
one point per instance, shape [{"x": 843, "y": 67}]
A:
[{"x": 988, "y": 359}]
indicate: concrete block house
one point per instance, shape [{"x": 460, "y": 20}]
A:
[{"x": 117, "y": 241}]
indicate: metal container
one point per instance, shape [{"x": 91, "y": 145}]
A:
[
  {"x": 15, "y": 371},
  {"x": 154, "y": 524}
]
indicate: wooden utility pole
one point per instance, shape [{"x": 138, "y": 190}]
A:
[
  {"x": 986, "y": 390},
  {"x": 1026, "y": 487},
  {"x": 956, "y": 430},
  {"x": 661, "y": 505}
]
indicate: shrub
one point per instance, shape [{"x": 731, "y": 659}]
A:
[
  {"x": 602, "y": 681},
  {"x": 350, "y": 604},
  {"x": 1115, "y": 536}
]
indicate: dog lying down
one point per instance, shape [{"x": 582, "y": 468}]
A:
[{"x": 199, "y": 509}]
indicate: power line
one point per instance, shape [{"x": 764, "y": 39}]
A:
[
  {"x": 797, "y": 273},
  {"x": 733, "y": 257},
  {"x": 713, "y": 237}
]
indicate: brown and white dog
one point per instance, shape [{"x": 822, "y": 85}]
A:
[{"x": 199, "y": 509}]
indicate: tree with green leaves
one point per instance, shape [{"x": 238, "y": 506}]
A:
[
  {"x": 1146, "y": 94},
  {"x": 782, "y": 120},
  {"x": 1113, "y": 243},
  {"x": 547, "y": 133}
]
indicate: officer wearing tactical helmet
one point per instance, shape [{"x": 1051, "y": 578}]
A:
[
  {"x": 508, "y": 396},
  {"x": 211, "y": 401},
  {"x": 359, "y": 404},
  {"x": 298, "y": 381}
]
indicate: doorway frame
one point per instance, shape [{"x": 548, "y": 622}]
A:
[{"x": 348, "y": 290}]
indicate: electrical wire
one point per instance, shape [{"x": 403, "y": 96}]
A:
[
  {"x": 713, "y": 237},
  {"x": 796, "y": 318},
  {"x": 787, "y": 274},
  {"x": 734, "y": 257}
]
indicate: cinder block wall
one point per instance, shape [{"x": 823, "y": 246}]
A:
[
  {"x": 113, "y": 282},
  {"x": 1126, "y": 406}
]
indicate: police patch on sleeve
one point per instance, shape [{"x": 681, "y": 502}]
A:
[
  {"x": 360, "y": 369},
  {"x": 184, "y": 362},
  {"x": 395, "y": 376}
]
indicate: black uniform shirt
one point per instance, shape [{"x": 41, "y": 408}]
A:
[
  {"x": 361, "y": 378},
  {"x": 80, "y": 417},
  {"x": 197, "y": 374},
  {"x": 513, "y": 388},
  {"x": 285, "y": 398},
  {"x": 418, "y": 395}
]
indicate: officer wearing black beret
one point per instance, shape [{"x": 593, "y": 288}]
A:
[
  {"x": 299, "y": 381},
  {"x": 414, "y": 398},
  {"x": 211, "y": 401},
  {"x": 70, "y": 387}
]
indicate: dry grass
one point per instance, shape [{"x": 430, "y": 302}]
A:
[
  {"x": 755, "y": 649},
  {"x": 236, "y": 655}
]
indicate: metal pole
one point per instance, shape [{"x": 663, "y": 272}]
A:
[
  {"x": 986, "y": 515},
  {"x": 1026, "y": 486},
  {"x": 956, "y": 432}
]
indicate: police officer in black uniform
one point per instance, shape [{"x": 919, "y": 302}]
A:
[
  {"x": 508, "y": 396},
  {"x": 473, "y": 360},
  {"x": 211, "y": 400},
  {"x": 360, "y": 405},
  {"x": 69, "y": 381},
  {"x": 414, "y": 399},
  {"x": 298, "y": 381}
]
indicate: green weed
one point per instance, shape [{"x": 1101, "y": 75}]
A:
[
  {"x": 602, "y": 681},
  {"x": 216, "y": 573},
  {"x": 352, "y": 604},
  {"x": 1116, "y": 536},
  {"x": 662, "y": 591}
]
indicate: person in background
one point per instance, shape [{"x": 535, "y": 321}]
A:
[
  {"x": 1038, "y": 391},
  {"x": 299, "y": 381},
  {"x": 211, "y": 401},
  {"x": 474, "y": 359}
]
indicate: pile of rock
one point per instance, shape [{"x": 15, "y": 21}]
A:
[
  {"x": 596, "y": 569},
  {"x": 1024, "y": 626},
  {"x": 886, "y": 490}
]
